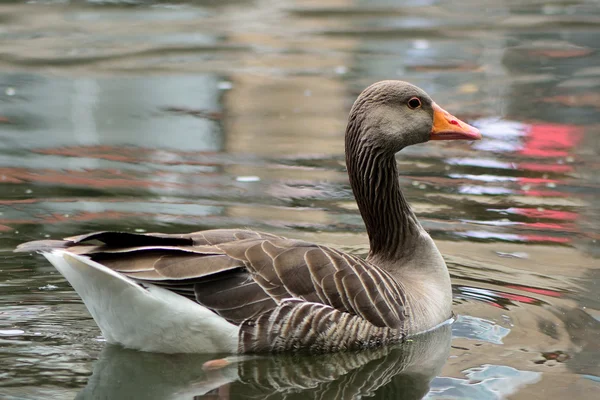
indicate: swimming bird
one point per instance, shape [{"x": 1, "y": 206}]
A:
[{"x": 243, "y": 291}]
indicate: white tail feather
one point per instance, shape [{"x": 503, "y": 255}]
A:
[{"x": 146, "y": 318}]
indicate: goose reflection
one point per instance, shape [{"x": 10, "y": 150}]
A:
[{"x": 404, "y": 370}]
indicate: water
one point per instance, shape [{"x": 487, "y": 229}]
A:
[{"x": 181, "y": 116}]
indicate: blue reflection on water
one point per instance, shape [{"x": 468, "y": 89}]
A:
[
  {"x": 469, "y": 327},
  {"x": 485, "y": 382}
]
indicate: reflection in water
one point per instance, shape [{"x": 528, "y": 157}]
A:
[
  {"x": 479, "y": 329},
  {"x": 152, "y": 117},
  {"x": 584, "y": 332},
  {"x": 403, "y": 370},
  {"x": 489, "y": 382}
]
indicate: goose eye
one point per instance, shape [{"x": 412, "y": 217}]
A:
[{"x": 413, "y": 103}]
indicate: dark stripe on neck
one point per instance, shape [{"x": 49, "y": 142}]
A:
[{"x": 390, "y": 222}]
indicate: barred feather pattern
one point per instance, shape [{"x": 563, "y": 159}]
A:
[
  {"x": 341, "y": 375},
  {"x": 310, "y": 327},
  {"x": 389, "y": 219}
]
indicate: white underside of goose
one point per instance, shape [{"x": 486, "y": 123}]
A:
[{"x": 147, "y": 318}]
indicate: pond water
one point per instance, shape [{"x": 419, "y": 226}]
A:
[{"x": 187, "y": 115}]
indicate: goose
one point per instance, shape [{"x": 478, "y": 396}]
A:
[{"x": 243, "y": 291}]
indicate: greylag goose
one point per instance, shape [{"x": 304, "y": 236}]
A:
[{"x": 237, "y": 290}]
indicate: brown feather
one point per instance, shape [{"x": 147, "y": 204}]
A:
[
  {"x": 246, "y": 277},
  {"x": 177, "y": 266},
  {"x": 290, "y": 267},
  {"x": 298, "y": 325}
]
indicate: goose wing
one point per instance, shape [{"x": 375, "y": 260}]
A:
[{"x": 242, "y": 274}]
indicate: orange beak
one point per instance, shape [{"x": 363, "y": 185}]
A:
[{"x": 448, "y": 127}]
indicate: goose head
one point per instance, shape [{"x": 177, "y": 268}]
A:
[
  {"x": 387, "y": 117},
  {"x": 390, "y": 115}
]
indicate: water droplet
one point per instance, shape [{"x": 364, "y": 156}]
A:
[
  {"x": 139, "y": 230},
  {"x": 10, "y": 91}
]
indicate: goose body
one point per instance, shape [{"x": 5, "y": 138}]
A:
[{"x": 230, "y": 290}]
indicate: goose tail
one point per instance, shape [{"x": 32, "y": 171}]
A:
[
  {"x": 108, "y": 295},
  {"x": 138, "y": 315}
]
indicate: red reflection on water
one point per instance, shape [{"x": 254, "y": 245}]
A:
[
  {"x": 543, "y": 213},
  {"x": 544, "y": 292},
  {"x": 546, "y": 239},
  {"x": 550, "y": 140},
  {"x": 22, "y": 201},
  {"x": 519, "y": 298},
  {"x": 547, "y": 225},
  {"x": 561, "y": 53},
  {"x": 536, "y": 167},
  {"x": 543, "y": 193},
  {"x": 536, "y": 181},
  {"x": 104, "y": 152},
  {"x": 502, "y": 299}
]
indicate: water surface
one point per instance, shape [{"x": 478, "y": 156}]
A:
[{"x": 181, "y": 116}]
